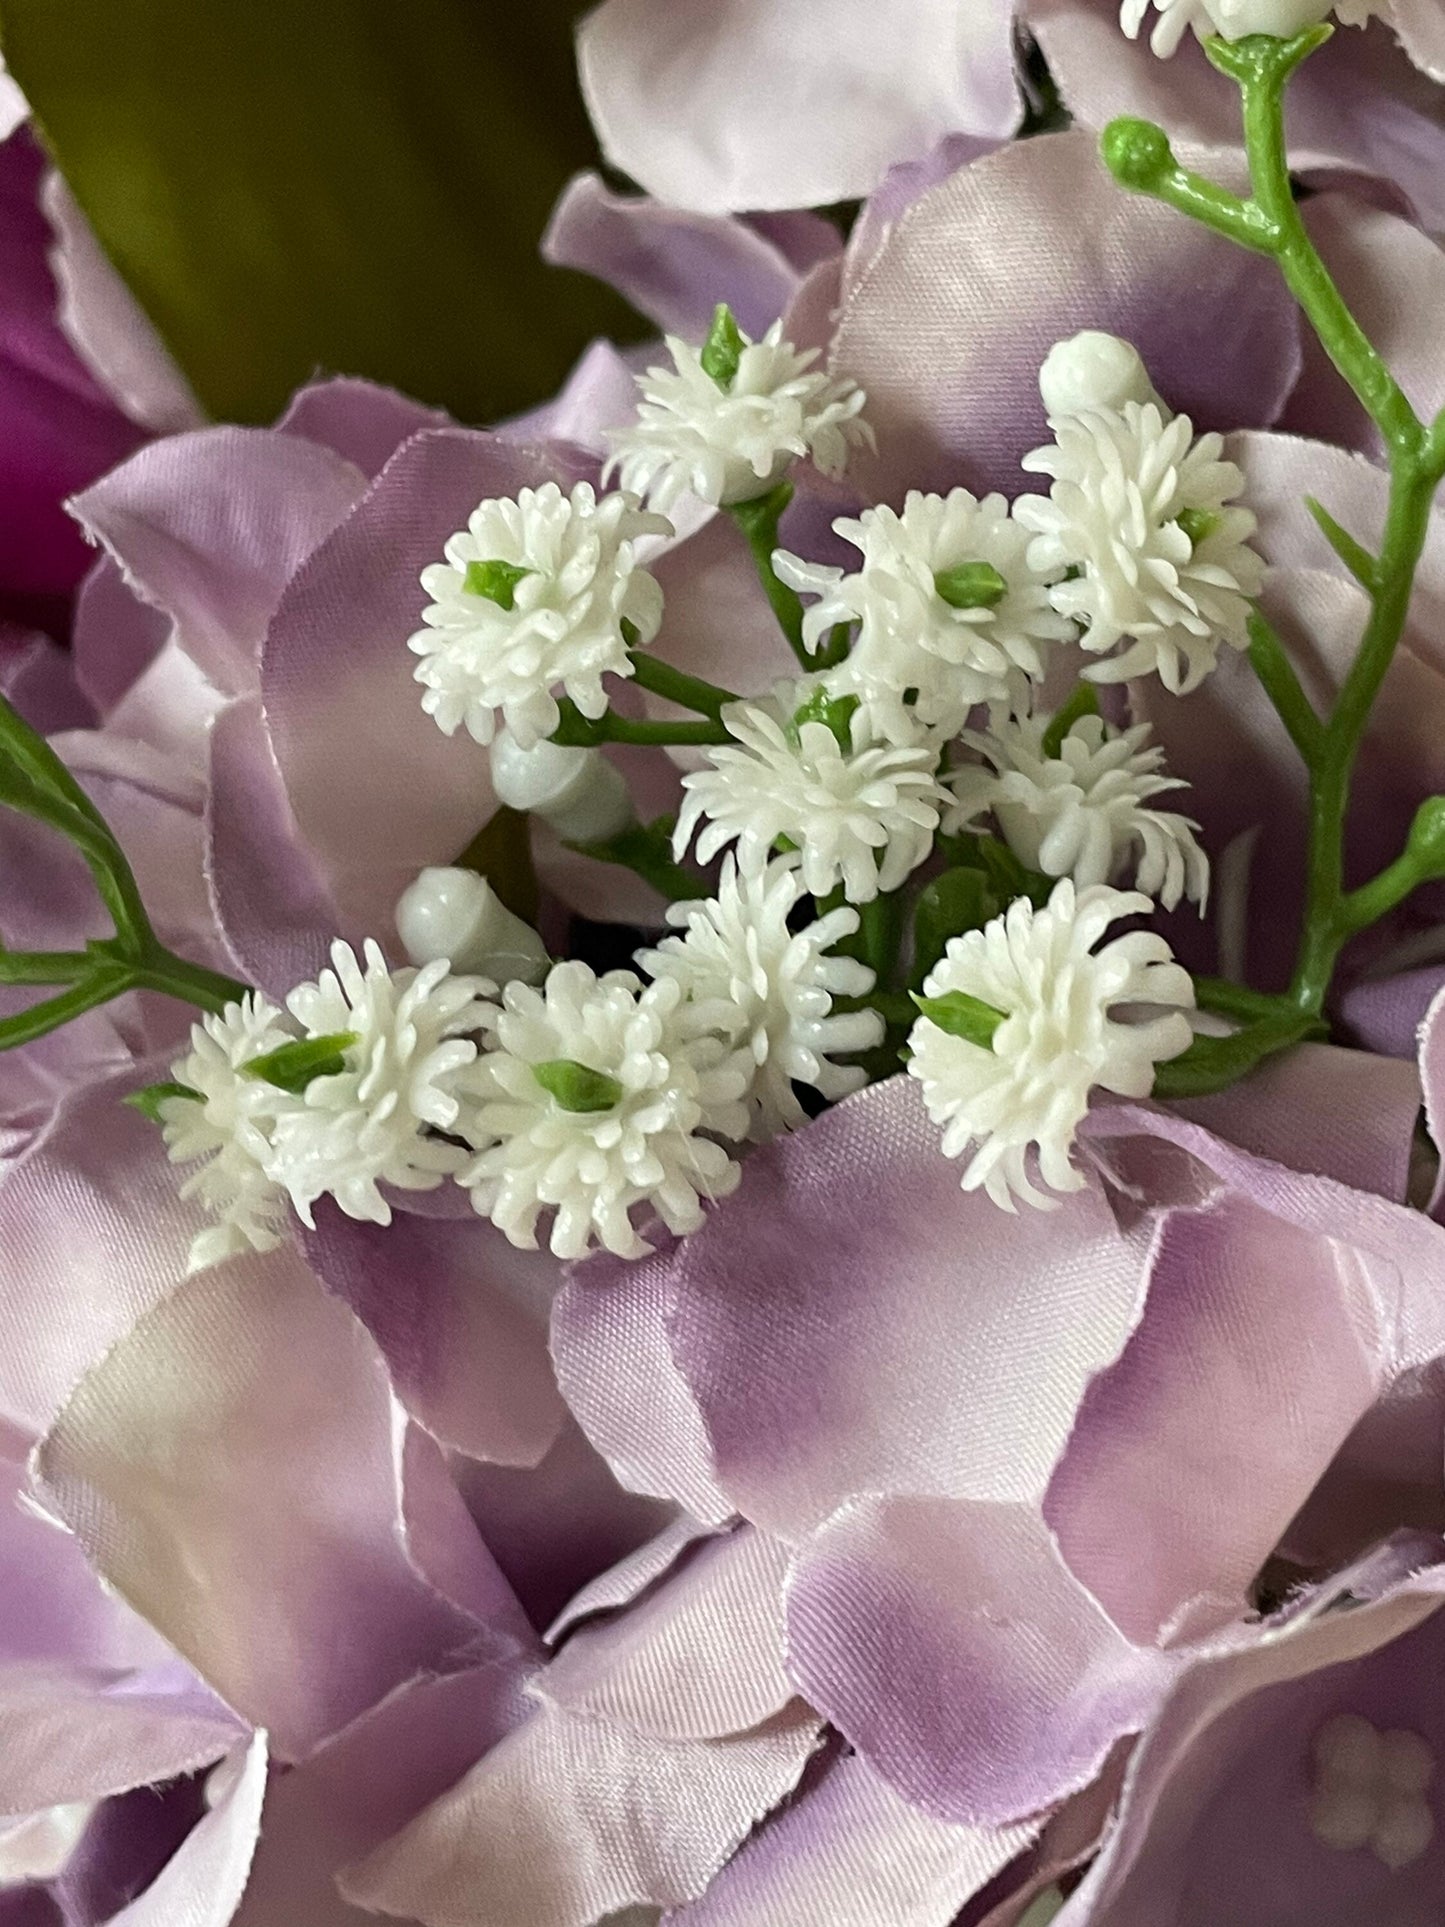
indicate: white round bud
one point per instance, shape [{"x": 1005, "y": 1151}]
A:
[
  {"x": 1093, "y": 370},
  {"x": 457, "y": 915},
  {"x": 1282, "y": 18},
  {"x": 582, "y": 795}
]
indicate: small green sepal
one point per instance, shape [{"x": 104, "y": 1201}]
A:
[
  {"x": 292, "y": 1067},
  {"x": 971, "y": 585},
  {"x": 723, "y": 350},
  {"x": 1264, "y": 57},
  {"x": 1084, "y": 702},
  {"x": 962, "y": 1016},
  {"x": 576, "y": 1087},
  {"x": 1197, "y": 524},
  {"x": 496, "y": 581},
  {"x": 149, "y": 1100},
  {"x": 836, "y": 713}
]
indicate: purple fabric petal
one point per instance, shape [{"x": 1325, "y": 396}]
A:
[
  {"x": 362, "y": 1786},
  {"x": 569, "y": 1819},
  {"x": 1358, "y": 105},
  {"x": 202, "y": 1884},
  {"x": 852, "y": 1853},
  {"x": 826, "y": 1315},
  {"x": 210, "y": 527},
  {"x": 630, "y": 1577},
  {"x": 950, "y": 318},
  {"x": 461, "y": 1318},
  {"x": 447, "y": 1550},
  {"x": 270, "y": 902},
  {"x": 1260, "y": 1348},
  {"x": 107, "y": 326},
  {"x": 60, "y": 429},
  {"x": 378, "y": 792},
  {"x": 115, "y": 635},
  {"x": 1385, "y": 1014},
  {"x": 948, "y": 1641},
  {"x": 38, "y": 678},
  {"x": 727, "y": 106},
  {"x": 672, "y": 266},
  {"x": 1216, "y": 1813},
  {"x": 253, "y": 1513},
  {"x": 699, "y": 1657},
  {"x": 600, "y": 393},
  {"x": 362, "y": 421}
]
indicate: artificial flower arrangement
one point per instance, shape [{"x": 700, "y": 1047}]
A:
[{"x": 734, "y": 1224}]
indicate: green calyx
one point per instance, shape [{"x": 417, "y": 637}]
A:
[
  {"x": 971, "y": 585},
  {"x": 577, "y": 1087},
  {"x": 722, "y": 352},
  {"x": 962, "y": 1016},
  {"x": 1197, "y": 524},
  {"x": 496, "y": 581},
  {"x": 834, "y": 712},
  {"x": 1083, "y": 702},
  {"x": 149, "y": 1101},
  {"x": 291, "y": 1067}
]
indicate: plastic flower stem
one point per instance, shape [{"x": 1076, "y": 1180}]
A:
[
  {"x": 576, "y": 731},
  {"x": 759, "y": 521},
  {"x": 1140, "y": 156},
  {"x": 676, "y": 686}
]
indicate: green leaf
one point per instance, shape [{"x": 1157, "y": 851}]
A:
[
  {"x": 1355, "y": 556},
  {"x": 972, "y": 585},
  {"x": 291, "y": 1067},
  {"x": 958, "y": 900},
  {"x": 646, "y": 850},
  {"x": 1006, "y": 875},
  {"x": 1213, "y": 1063},
  {"x": 149, "y": 1101},
  {"x": 577, "y": 1087},
  {"x": 501, "y": 851},
  {"x": 497, "y": 581},
  {"x": 1083, "y": 702},
  {"x": 723, "y": 349},
  {"x": 962, "y": 1016},
  {"x": 339, "y": 184}
]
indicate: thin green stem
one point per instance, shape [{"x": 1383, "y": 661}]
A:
[
  {"x": 576, "y": 731},
  {"x": 759, "y": 521},
  {"x": 100, "y": 987},
  {"x": 43, "y": 966},
  {"x": 1277, "y": 675},
  {"x": 189, "y": 983},
  {"x": 676, "y": 686}
]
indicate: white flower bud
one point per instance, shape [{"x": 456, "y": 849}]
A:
[
  {"x": 457, "y": 915},
  {"x": 578, "y": 791},
  {"x": 1283, "y": 18},
  {"x": 1093, "y": 370}
]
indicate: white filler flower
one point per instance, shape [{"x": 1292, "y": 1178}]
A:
[
  {"x": 1083, "y": 811},
  {"x": 1236, "y": 18},
  {"x": 589, "y": 1104},
  {"x": 732, "y": 436},
  {"x": 947, "y": 604},
  {"x": 814, "y": 769},
  {"x": 767, "y": 991},
  {"x": 532, "y": 598},
  {"x": 405, "y": 1038},
  {"x": 1025, "y": 1033},
  {"x": 230, "y": 1128},
  {"x": 1141, "y": 510}
]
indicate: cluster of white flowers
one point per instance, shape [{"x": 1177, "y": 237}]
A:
[
  {"x": 533, "y": 596},
  {"x": 731, "y": 436},
  {"x": 1236, "y": 18}
]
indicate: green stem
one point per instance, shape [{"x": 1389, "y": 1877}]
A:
[
  {"x": 100, "y": 987},
  {"x": 759, "y": 521},
  {"x": 43, "y": 966},
  {"x": 576, "y": 731},
  {"x": 189, "y": 983},
  {"x": 676, "y": 686},
  {"x": 1277, "y": 675}
]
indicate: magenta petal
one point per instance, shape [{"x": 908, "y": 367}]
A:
[
  {"x": 362, "y": 421},
  {"x": 852, "y": 1853},
  {"x": 948, "y": 1641},
  {"x": 211, "y": 526},
  {"x": 377, "y": 790},
  {"x": 252, "y": 1512},
  {"x": 1259, "y": 1350},
  {"x": 672, "y": 266},
  {"x": 827, "y": 1313},
  {"x": 947, "y": 322},
  {"x": 461, "y": 1318}
]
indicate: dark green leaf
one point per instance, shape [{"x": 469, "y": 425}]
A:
[
  {"x": 958, "y": 900},
  {"x": 338, "y": 184},
  {"x": 501, "y": 851},
  {"x": 149, "y": 1101},
  {"x": 291, "y": 1067},
  {"x": 577, "y": 1087}
]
